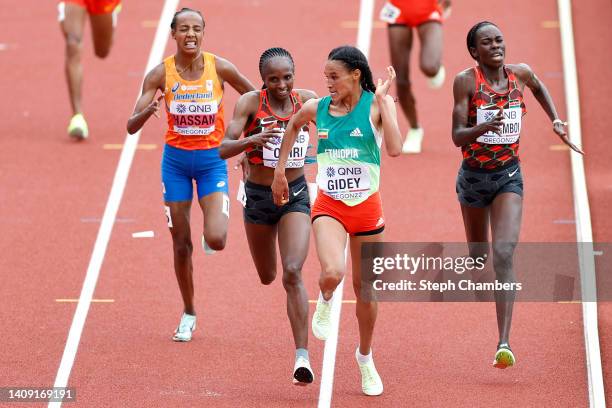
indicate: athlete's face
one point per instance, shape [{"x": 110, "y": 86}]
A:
[
  {"x": 188, "y": 32},
  {"x": 341, "y": 81},
  {"x": 490, "y": 46},
  {"x": 278, "y": 77}
]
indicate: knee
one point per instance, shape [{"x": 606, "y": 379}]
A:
[
  {"x": 183, "y": 248},
  {"x": 73, "y": 46},
  {"x": 404, "y": 85},
  {"x": 502, "y": 255},
  {"x": 331, "y": 277},
  {"x": 216, "y": 242},
  {"x": 268, "y": 277},
  {"x": 481, "y": 252},
  {"x": 429, "y": 68},
  {"x": 102, "y": 52},
  {"x": 292, "y": 275}
]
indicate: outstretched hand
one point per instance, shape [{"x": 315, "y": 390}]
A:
[
  {"x": 559, "y": 128},
  {"x": 383, "y": 87}
]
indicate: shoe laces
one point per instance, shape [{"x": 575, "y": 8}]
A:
[
  {"x": 185, "y": 325},
  {"x": 323, "y": 313},
  {"x": 367, "y": 373}
]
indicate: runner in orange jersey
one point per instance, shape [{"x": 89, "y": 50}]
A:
[{"x": 191, "y": 82}]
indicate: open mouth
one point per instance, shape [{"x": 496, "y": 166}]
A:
[{"x": 190, "y": 45}]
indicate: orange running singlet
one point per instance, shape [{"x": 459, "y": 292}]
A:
[{"x": 194, "y": 108}]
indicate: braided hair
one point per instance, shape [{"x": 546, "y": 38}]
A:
[
  {"x": 471, "y": 36},
  {"x": 185, "y": 10},
  {"x": 271, "y": 53},
  {"x": 354, "y": 59}
]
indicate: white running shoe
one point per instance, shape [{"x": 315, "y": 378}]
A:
[
  {"x": 436, "y": 81},
  {"x": 207, "y": 250},
  {"x": 77, "y": 129},
  {"x": 413, "y": 141},
  {"x": 185, "y": 328},
  {"x": 371, "y": 384},
  {"x": 302, "y": 373},
  {"x": 321, "y": 320}
]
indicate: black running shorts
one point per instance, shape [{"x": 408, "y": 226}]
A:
[
  {"x": 478, "y": 187},
  {"x": 260, "y": 207}
]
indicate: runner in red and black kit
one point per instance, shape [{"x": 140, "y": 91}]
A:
[
  {"x": 487, "y": 125},
  {"x": 263, "y": 116}
]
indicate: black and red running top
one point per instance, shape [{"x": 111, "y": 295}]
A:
[
  {"x": 265, "y": 118},
  {"x": 491, "y": 150}
]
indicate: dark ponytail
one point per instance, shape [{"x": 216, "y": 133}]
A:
[{"x": 354, "y": 59}]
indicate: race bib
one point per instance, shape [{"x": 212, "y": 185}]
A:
[
  {"x": 389, "y": 13},
  {"x": 511, "y": 128},
  {"x": 194, "y": 118},
  {"x": 344, "y": 182},
  {"x": 296, "y": 155}
]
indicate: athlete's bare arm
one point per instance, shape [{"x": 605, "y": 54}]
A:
[
  {"x": 245, "y": 110},
  {"x": 526, "y": 75},
  {"x": 463, "y": 86},
  {"x": 386, "y": 115},
  {"x": 306, "y": 94},
  {"x": 230, "y": 74},
  {"x": 146, "y": 104},
  {"x": 308, "y": 113}
]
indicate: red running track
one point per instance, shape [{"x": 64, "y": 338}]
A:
[{"x": 429, "y": 354}]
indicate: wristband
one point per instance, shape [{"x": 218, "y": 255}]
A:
[{"x": 559, "y": 121}]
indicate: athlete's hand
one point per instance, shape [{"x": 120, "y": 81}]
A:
[
  {"x": 154, "y": 106},
  {"x": 244, "y": 164},
  {"x": 280, "y": 189},
  {"x": 265, "y": 138},
  {"x": 495, "y": 125},
  {"x": 559, "y": 128},
  {"x": 383, "y": 87}
]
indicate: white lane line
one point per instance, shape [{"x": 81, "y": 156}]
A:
[
  {"x": 110, "y": 212},
  {"x": 364, "y": 33},
  {"x": 584, "y": 233}
]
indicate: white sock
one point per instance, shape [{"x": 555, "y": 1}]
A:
[
  {"x": 363, "y": 359},
  {"x": 321, "y": 299}
]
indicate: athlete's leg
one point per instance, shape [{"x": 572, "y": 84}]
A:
[
  {"x": 367, "y": 307},
  {"x": 293, "y": 239},
  {"x": 330, "y": 240},
  {"x": 215, "y": 207},
  {"x": 400, "y": 45},
  {"x": 102, "y": 30},
  {"x": 72, "y": 23},
  {"x": 262, "y": 244},
  {"x": 476, "y": 224},
  {"x": 430, "y": 35},
  {"x": 506, "y": 215},
  {"x": 183, "y": 248}
]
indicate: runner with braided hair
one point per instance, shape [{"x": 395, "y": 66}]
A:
[
  {"x": 351, "y": 124},
  {"x": 487, "y": 123},
  {"x": 262, "y": 116}
]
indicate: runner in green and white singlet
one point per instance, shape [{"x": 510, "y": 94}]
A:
[
  {"x": 351, "y": 122},
  {"x": 348, "y": 153}
]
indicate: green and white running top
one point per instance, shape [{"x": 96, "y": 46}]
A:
[{"x": 348, "y": 152}]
